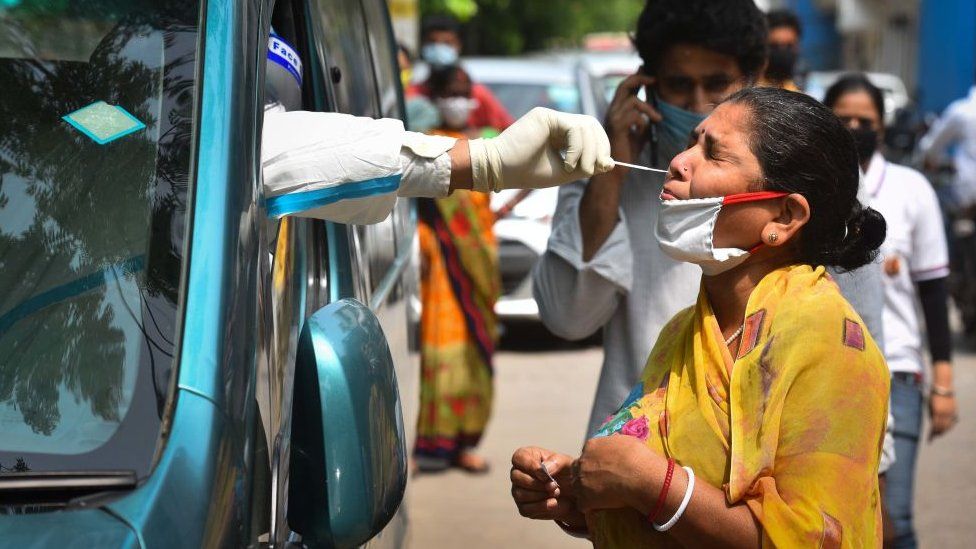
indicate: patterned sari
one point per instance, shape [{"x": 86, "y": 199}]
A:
[
  {"x": 460, "y": 283},
  {"x": 792, "y": 427}
]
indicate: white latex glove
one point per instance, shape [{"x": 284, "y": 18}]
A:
[{"x": 527, "y": 155}]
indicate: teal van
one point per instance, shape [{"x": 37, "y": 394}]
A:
[{"x": 176, "y": 368}]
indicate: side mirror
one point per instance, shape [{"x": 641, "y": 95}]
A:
[{"x": 348, "y": 457}]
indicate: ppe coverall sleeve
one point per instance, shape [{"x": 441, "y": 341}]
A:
[
  {"x": 577, "y": 297},
  {"x": 347, "y": 169}
]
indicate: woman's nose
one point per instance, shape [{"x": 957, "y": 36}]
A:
[{"x": 679, "y": 168}]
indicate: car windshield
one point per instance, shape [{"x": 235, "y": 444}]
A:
[
  {"x": 520, "y": 98},
  {"x": 95, "y": 152}
]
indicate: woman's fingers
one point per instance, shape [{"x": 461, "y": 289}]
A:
[
  {"x": 548, "y": 509},
  {"x": 943, "y": 412},
  {"x": 523, "y": 495},
  {"x": 521, "y": 479}
]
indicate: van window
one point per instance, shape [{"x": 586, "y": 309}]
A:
[{"x": 95, "y": 147}]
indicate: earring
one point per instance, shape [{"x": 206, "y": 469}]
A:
[{"x": 773, "y": 237}]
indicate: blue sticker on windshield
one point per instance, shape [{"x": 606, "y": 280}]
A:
[{"x": 103, "y": 123}]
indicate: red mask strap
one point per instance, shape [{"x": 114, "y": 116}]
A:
[{"x": 752, "y": 197}]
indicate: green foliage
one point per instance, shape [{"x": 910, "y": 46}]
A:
[{"x": 510, "y": 27}]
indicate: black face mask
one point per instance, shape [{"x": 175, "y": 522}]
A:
[
  {"x": 782, "y": 59},
  {"x": 866, "y": 140}
]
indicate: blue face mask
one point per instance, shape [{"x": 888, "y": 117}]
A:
[
  {"x": 677, "y": 123},
  {"x": 439, "y": 55}
]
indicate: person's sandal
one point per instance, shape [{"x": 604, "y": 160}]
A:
[{"x": 470, "y": 462}]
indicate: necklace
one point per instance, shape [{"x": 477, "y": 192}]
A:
[{"x": 735, "y": 335}]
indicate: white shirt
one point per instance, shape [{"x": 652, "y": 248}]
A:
[
  {"x": 629, "y": 286},
  {"x": 916, "y": 238},
  {"x": 347, "y": 169},
  {"x": 956, "y": 127}
]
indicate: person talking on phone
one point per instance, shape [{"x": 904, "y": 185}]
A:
[{"x": 603, "y": 267}]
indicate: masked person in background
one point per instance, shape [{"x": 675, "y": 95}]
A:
[
  {"x": 916, "y": 267},
  {"x": 603, "y": 268},
  {"x": 459, "y": 285},
  {"x": 785, "y": 32},
  {"x": 440, "y": 48}
]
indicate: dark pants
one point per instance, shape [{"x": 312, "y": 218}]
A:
[{"x": 906, "y": 407}]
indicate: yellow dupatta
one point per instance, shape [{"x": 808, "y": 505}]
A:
[{"x": 792, "y": 428}]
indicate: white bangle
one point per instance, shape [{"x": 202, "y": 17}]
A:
[{"x": 684, "y": 503}]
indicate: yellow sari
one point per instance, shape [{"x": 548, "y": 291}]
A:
[{"x": 792, "y": 427}]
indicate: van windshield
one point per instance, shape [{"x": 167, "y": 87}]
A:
[{"x": 95, "y": 150}]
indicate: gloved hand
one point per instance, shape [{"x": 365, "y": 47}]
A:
[{"x": 527, "y": 155}]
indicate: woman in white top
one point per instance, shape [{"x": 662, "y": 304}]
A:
[{"x": 915, "y": 269}]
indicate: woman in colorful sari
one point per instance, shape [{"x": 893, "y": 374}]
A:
[
  {"x": 460, "y": 283},
  {"x": 761, "y": 411}
]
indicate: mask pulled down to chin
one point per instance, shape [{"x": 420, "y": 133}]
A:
[{"x": 685, "y": 230}]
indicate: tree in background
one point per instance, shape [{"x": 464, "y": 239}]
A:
[{"x": 511, "y": 27}]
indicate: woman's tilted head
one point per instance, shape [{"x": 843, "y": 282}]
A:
[
  {"x": 803, "y": 148},
  {"x": 771, "y": 172}
]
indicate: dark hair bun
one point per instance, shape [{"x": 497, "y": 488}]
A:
[{"x": 865, "y": 233}]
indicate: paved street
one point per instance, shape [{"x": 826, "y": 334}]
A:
[{"x": 543, "y": 398}]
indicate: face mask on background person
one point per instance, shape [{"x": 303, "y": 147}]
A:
[
  {"x": 866, "y": 140},
  {"x": 439, "y": 55},
  {"x": 685, "y": 231},
  {"x": 782, "y": 60},
  {"x": 455, "y": 111},
  {"x": 677, "y": 123}
]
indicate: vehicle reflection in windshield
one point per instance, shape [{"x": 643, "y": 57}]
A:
[{"x": 90, "y": 240}]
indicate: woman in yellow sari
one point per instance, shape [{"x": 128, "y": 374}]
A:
[{"x": 759, "y": 417}]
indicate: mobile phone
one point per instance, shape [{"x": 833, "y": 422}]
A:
[{"x": 652, "y": 128}]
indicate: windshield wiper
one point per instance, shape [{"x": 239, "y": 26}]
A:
[{"x": 60, "y": 487}]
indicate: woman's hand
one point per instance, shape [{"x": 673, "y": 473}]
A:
[
  {"x": 535, "y": 495},
  {"x": 942, "y": 408},
  {"x": 614, "y": 471}
]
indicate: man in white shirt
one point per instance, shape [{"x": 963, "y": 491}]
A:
[
  {"x": 956, "y": 128},
  {"x": 603, "y": 267}
]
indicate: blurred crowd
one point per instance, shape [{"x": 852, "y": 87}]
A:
[{"x": 596, "y": 267}]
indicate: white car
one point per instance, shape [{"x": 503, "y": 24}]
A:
[{"x": 521, "y": 84}]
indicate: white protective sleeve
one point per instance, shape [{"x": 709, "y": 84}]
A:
[{"x": 347, "y": 169}]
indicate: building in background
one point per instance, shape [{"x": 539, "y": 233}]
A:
[{"x": 929, "y": 44}]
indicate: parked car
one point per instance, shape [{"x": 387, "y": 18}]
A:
[
  {"x": 178, "y": 369},
  {"x": 522, "y": 84},
  {"x": 895, "y": 93}
]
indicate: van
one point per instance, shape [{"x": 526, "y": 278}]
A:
[{"x": 177, "y": 369}]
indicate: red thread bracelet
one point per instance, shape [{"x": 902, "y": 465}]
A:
[{"x": 664, "y": 493}]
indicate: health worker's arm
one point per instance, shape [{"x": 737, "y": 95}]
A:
[{"x": 350, "y": 169}]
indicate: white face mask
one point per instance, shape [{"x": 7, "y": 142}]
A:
[
  {"x": 456, "y": 110},
  {"x": 686, "y": 230},
  {"x": 439, "y": 54}
]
